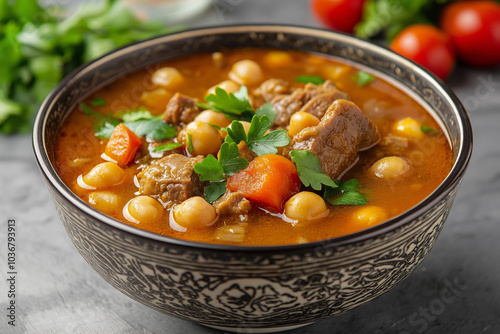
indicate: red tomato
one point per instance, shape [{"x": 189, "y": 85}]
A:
[
  {"x": 341, "y": 15},
  {"x": 474, "y": 28},
  {"x": 428, "y": 46}
]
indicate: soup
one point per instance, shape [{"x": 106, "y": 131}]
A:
[{"x": 252, "y": 147}]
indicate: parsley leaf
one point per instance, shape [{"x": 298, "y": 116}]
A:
[
  {"x": 268, "y": 110},
  {"x": 152, "y": 128},
  {"x": 427, "y": 129},
  {"x": 215, "y": 190},
  {"x": 362, "y": 78},
  {"x": 210, "y": 169},
  {"x": 167, "y": 147},
  {"x": 257, "y": 140},
  {"x": 232, "y": 105},
  {"x": 137, "y": 114},
  {"x": 190, "y": 142},
  {"x": 236, "y": 106},
  {"x": 349, "y": 191},
  {"x": 98, "y": 102},
  {"x": 86, "y": 109},
  {"x": 229, "y": 160},
  {"x": 314, "y": 79},
  {"x": 309, "y": 170},
  {"x": 105, "y": 131}
]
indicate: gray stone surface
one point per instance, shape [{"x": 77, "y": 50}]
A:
[{"x": 455, "y": 290}]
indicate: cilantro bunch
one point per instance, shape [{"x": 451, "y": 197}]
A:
[{"x": 38, "y": 48}]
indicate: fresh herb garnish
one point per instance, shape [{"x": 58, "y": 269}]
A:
[
  {"x": 429, "y": 130},
  {"x": 190, "y": 142},
  {"x": 309, "y": 170},
  {"x": 141, "y": 122},
  {"x": 314, "y": 79},
  {"x": 98, "y": 102},
  {"x": 215, "y": 171},
  {"x": 310, "y": 174},
  {"x": 257, "y": 140},
  {"x": 236, "y": 106},
  {"x": 38, "y": 49},
  {"x": 349, "y": 191},
  {"x": 167, "y": 147},
  {"x": 362, "y": 78}
]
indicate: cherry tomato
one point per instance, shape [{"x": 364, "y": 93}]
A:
[
  {"x": 340, "y": 15},
  {"x": 428, "y": 46},
  {"x": 474, "y": 28}
]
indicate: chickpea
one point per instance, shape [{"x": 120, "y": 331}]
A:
[
  {"x": 104, "y": 201},
  {"x": 278, "y": 59},
  {"x": 301, "y": 120},
  {"x": 228, "y": 85},
  {"x": 334, "y": 72},
  {"x": 143, "y": 209},
  {"x": 213, "y": 117},
  {"x": 306, "y": 206},
  {"x": 168, "y": 77},
  {"x": 103, "y": 175},
  {"x": 157, "y": 99},
  {"x": 409, "y": 127},
  {"x": 205, "y": 139},
  {"x": 390, "y": 167},
  {"x": 246, "y": 72},
  {"x": 194, "y": 213},
  {"x": 371, "y": 215}
]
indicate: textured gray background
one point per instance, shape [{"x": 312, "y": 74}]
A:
[{"x": 59, "y": 293}]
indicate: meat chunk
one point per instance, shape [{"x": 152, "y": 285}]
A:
[
  {"x": 271, "y": 88},
  {"x": 312, "y": 99},
  {"x": 172, "y": 178},
  {"x": 181, "y": 109},
  {"x": 232, "y": 203},
  {"x": 343, "y": 131}
]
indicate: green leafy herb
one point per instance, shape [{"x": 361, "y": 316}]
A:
[
  {"x": 154, "y": 129},
  {"x": 362, "y": 78},
  {"x": 105, "y": 130},
  {"x": 133, "y": 115},
  {"x": 38, "y": 48},
  {"x": 314, "y": 79},
  {"x": 428, "y": 130},
  {"x": 236, "y": 106},
  {"x": 86, "y": 109},
  {"x": 391, "y": 16},
  {"x": 348, "y": 191},
  {"x": 190, "y": 142},
  {"x": 167, "y": 147},
  {"x": 215, "y": 190},
  {"x": 309, "y": 170},
  {"x": 98, "y": 102},
  {"x": 211, "y": 169},
  {"x": 257, "y": 140}
]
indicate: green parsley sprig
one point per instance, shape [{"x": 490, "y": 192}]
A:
[
  {"x": 310, "y": 175},
  {"x": 314, "y": 79},
  {"x": 216, "y": 171},
  {"x": 257, "y": 140},
  {"x": 236, "y": 106}
]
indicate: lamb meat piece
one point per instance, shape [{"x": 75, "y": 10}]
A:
[
  {"x": 314, "y": 99},
  {"x": 172, "y": 178},
  {"x": 343, "y": 131},
  {"x": 181, "y": 109},
  {"x": 232, "y": 203},
  {"x": 271, "y": 88}
]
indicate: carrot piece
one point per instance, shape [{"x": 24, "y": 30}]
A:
[
  {"x": 269, "y": 180},
  {"x": 123, "y": 145}
]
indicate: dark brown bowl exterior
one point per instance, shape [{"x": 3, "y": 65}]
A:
[{"x": 260, "y": 289}]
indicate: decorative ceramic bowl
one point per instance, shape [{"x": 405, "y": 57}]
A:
[{"x": 257, "y": 289}]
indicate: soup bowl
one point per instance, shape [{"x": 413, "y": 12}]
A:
[{"x": 257, "y": 289}]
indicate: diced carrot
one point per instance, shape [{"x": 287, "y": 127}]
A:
[
  {"x": 269, "y": 180},
  {"x": 123, "y": 145}
]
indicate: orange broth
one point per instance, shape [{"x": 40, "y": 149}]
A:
[{"x": 380, "y": 101}]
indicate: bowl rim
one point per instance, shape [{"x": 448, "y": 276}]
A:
[{"x": 455, "y": 175}]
